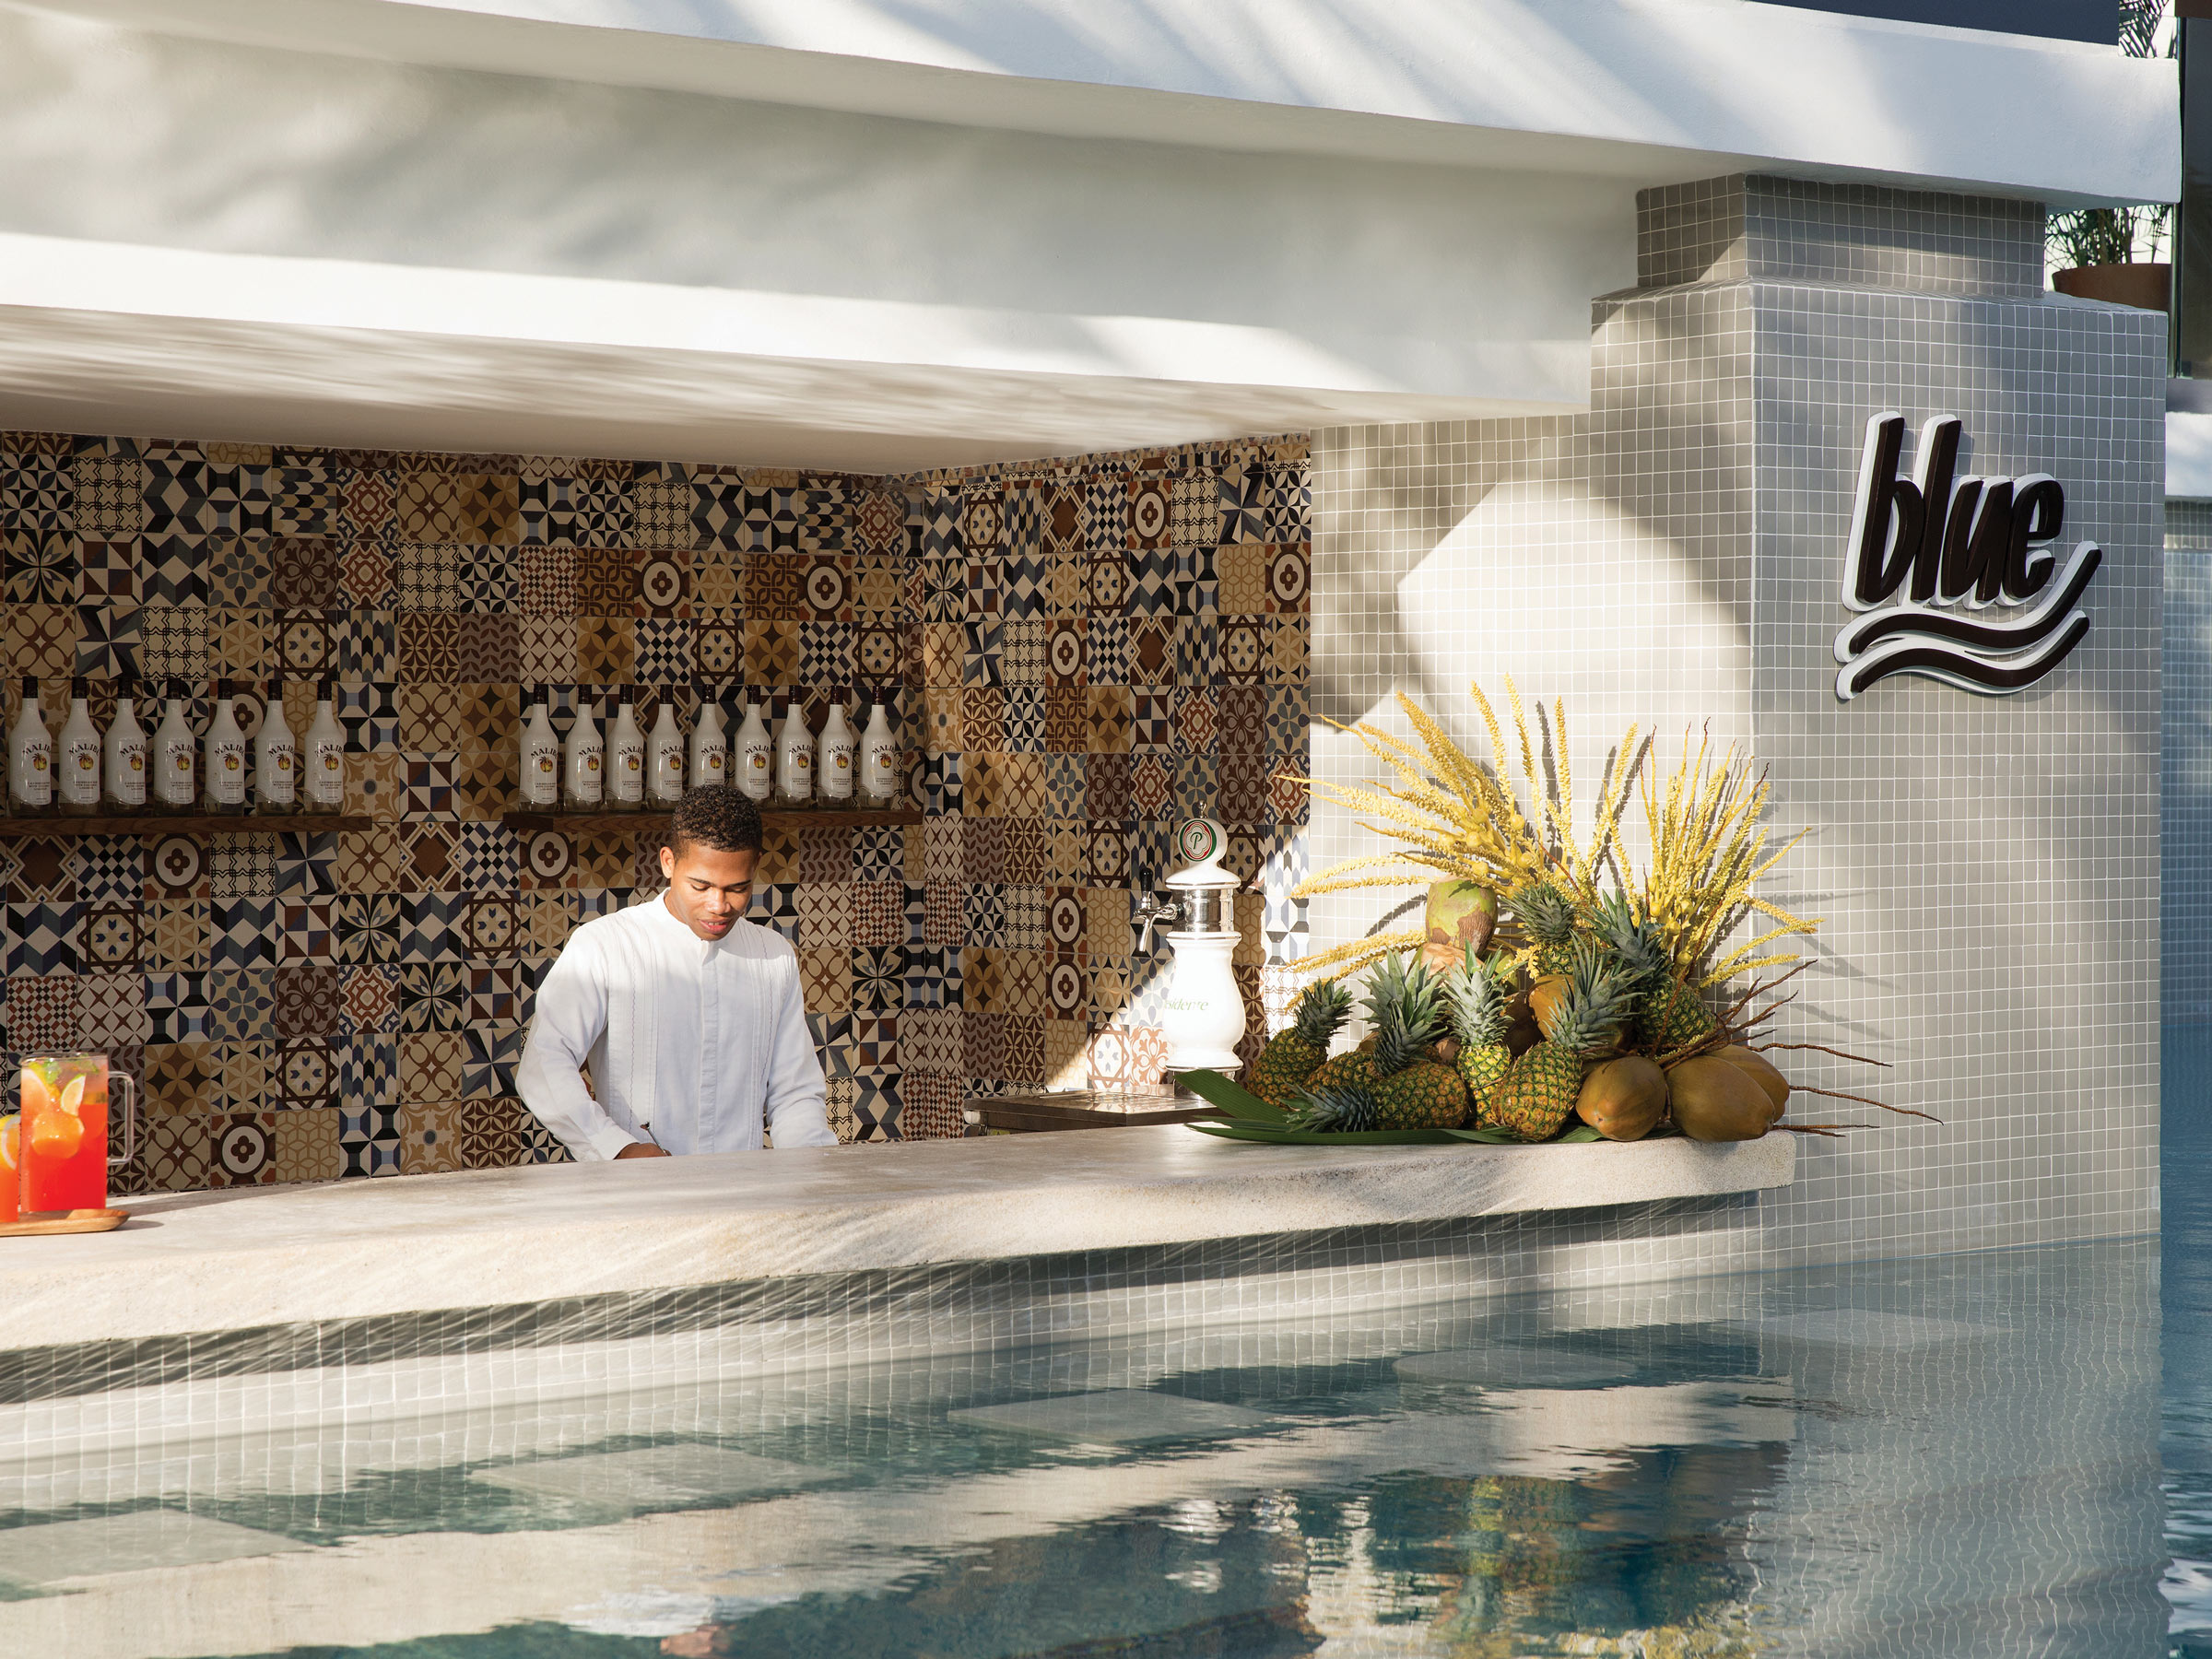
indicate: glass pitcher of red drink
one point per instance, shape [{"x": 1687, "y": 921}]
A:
[{"x": 61, "y": 1142}]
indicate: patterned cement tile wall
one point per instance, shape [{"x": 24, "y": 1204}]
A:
[
  {"x": 2185, "y": 780},
  {"x": 1988, "y": 869},
  {"x": 1107, "y": 641},
  {"x": 1110, "y": 645}
]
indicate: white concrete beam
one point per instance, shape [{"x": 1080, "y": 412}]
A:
[{"x": 1653, "y": 89}]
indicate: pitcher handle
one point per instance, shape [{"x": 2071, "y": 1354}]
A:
[{"x": 130, "y": 1117}]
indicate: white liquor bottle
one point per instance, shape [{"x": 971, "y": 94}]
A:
[
  {"x": 79, "y": 780},
  {"x": 223, "y": 755},
  {"x": 325, "y": 780},
  {"x": 30, "y": 758},
  {"x": 626, "y": 761},
  {"x": 838, "y": 746},
  {"x": 176, "y": 756},
  {"x": 276, "y": 758},
  {"x": 879, "y": 759},
  {"x": 709, "y": 744},
  {"x": 583, "y": 778},
  {"x": 794, "y": 757},
  {"x": 665, "y": 756},
  {"x": 541, "y": 758},
  {"x": 756, "y": 754},
  {"x": 124, "y": 771}
]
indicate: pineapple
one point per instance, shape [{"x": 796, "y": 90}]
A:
[
  {"x": 1538, "y": 1094},
  {"x": 1671, "y": 1015},
  {"x": 1478, "y": 1020},
  {"x": 1355, "y": 1070},
  {"x": 1288, "y": 1062},
  {"x": 1342, "y": 1111},
  {"x": 1547, "y": 917},
  {"x": 1411, "y": 1091}
]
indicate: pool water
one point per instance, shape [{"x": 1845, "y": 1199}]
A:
[{"x": 1959, "y": 1456}]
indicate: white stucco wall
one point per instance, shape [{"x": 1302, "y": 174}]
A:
[{"x": 165, "y": 179}]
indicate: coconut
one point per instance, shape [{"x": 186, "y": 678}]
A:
[
  {"x": 1623, "y": 1099},
  {"x": 1715, "y": 1101},
  {"x": 1761, "y": 1071},
  {"x": 1460, "y": 913}
]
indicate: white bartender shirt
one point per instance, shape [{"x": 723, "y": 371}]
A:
[{"x": 700, "y": 1041}]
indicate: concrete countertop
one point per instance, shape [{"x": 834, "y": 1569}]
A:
[{"x": 245, "y": 1258}]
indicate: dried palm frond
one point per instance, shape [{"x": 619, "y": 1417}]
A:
[
  {"x": 1455, "y": 816},
  {"x": 1708, "y": 852}
]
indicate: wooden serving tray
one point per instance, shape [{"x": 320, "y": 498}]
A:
[{"x": 76, "y": 1221}]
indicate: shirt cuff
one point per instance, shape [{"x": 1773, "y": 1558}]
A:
[{"x": 610, "y": 1140}]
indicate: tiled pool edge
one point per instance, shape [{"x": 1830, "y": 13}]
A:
[{"x": 469, "y": 1359}]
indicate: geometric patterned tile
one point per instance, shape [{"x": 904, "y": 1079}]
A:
[
  {"x": 307, "y": 998},
  {"x": 370, "y": 1000},
  {"x": 242, "y": 866},
  {"x": 306, "y": 930},
  {"x": 41, "y": 1012},
  {"x": 247, "y": 1081},
  {"x": 110, "y": 1011},
  {"x": 243, "y": 934},
  {"x": 109, "y": 870},
  {"x": 431, "y": 1137},
  {"x": 488, "y": 1056},
  {"x": 242, "y": 1148},
  {"x": 433, "y": 997},
  {"x": 307, "y": 1146},
  {"x": 304, "y": 1072},
  {"x": 245, "y": 1004},
  {"x": 368, "y": 926},
  {"x": 369, "y": 1074},
  {"x": 177, "y": 1007},
  {"x": 41, "y": 938}
]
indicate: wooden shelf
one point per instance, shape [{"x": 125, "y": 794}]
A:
[
  {"x": 304, "y": 823},
  {"x": 529, "y": 822}
]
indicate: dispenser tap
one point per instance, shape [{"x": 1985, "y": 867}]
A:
[{"x": 1152, "y": 909}]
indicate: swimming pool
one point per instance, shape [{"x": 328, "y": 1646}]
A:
[{"x": 1963, "y": 1455}]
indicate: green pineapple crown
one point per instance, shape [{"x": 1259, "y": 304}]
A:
[
  {"x": 1546, "y": 914},
  {"x": 1477, "y": 996},
  {"x": 1402, "y": 1004},
  {"x": 1341, "y": 1110},
  {"x": 1319, "y": 1011},
  {"x": 1597, "y": 1005},
  {"x": 1627, "y": 925}
]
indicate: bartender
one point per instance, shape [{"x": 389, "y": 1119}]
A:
[{"x": 690, "y": 1017}]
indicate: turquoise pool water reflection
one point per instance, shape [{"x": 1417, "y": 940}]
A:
[{"x": 1962, "y": 1456}]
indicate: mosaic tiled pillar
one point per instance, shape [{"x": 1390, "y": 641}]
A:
[
  {"x": 1987, "y": 868},
  {"x": 2186, "y": 795}
]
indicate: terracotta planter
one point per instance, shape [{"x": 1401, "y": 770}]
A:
[{"x": 2144, "y": 286}]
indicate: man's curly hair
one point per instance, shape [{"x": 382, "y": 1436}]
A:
[{"x": 720, "y": 817}]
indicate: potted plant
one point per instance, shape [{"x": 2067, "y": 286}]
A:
[{"x": 2099, "y": 244}]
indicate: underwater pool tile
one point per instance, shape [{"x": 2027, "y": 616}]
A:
[
  {"x": 1866, "y": 1327},
  {"x": 1514, "y": 1368},
  {"x": 63, "y": 1550},
  {"x": 653, "y": 1478},
  {"x": 1115, "y": 1417}
]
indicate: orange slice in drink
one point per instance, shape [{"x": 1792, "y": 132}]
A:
[
  {"x": 11, "y": 1134},
  {"x": 56, "y": 1135},
  {"x": 72, "y": 1095},
  {"x": 37, "y": 1096}
]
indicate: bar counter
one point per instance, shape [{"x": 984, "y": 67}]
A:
[{"x": 254, "y": 1258}]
